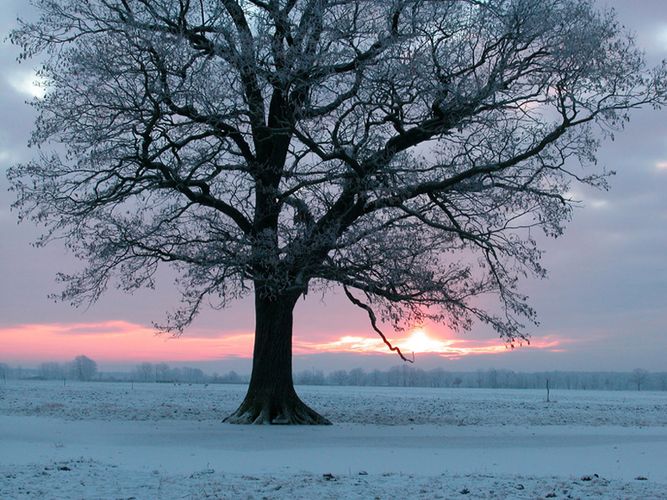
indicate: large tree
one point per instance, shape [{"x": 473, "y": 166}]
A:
[{"x": 401, "y": 149}]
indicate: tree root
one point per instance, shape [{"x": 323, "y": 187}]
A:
[{"x": 290, "y": 412}]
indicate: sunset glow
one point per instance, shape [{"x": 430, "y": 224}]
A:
[
  {"x": 116, "y": 341},
  {"x": 121, "y": 341},
  {"x": 419, "y": 341}
]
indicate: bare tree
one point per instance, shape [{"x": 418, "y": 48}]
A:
[
  {"x": 161, "y": 372},
  {"x": 83, "y": 368},
  {"x": 401, "y": 149},
  {"x": 144, "y": 372},
  {"x": 51, "y": 371}
]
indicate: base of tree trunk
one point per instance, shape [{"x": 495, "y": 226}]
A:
[
  {"x": 271, "y": 398},
  {"x": 276, "y": 411}
]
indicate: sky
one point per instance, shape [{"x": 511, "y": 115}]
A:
[{"x": 602, "y": 307}]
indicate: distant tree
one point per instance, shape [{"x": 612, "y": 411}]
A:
[
  {"x": 192, "y": 375},
  {"x": 339, "y": 377},
  {"x": 310, "y": 377},
  {"x": 376, "y": 377},
  {"x": 176, "y": 375},
  {"x": 144, "y": 372},
  {"x": 317, "y": 377},
  {"x": 51, "y": 371},
  {"x": 404, "y": 149},
  {"x": 639, "y": 376},
  {"x": 479, "y": 377},
  {"x": 662, "y": 378},
  {"x": 492, "y": 378},
  {"x": 356, "y": 376},
  {"x": 83, "y": 368},
  {"x": 231, "y": 378},
  {"x": 161, "y": 372}
]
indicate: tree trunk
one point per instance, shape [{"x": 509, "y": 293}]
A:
[{"x": 271, "y": 398}]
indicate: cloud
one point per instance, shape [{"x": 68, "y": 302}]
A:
[
  {"x": 584, "y": 196},
  {"x": 660, "y": 37},
  {"x": 27, "y": 83},
  {"x": 5, "y": 156},
  {"x": 599, "y": 204},
  {"x": 661, "y": 165},
  {"x": 113, "y": 341},
  {"x": 106, "y": 328},
  {"x": 421, "y": 342}
]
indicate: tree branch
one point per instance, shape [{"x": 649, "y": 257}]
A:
[{"x": 373, "y": 320}]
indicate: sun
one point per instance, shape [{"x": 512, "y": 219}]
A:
[{"x": 419, "y": 341}]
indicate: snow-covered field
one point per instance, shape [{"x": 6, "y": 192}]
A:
[{"x": 117, "y": 440}]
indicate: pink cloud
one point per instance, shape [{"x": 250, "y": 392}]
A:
[{"x": 115, "y": 341}]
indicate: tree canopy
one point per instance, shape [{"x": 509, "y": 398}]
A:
[{"x": 406, "y": 150}]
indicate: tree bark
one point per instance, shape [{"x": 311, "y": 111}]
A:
[{"x": 271, "y": 398}]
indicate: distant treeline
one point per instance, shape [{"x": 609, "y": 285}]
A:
[
  {"x": 85, "y": 369},
  {"x": 407, "y": 376},
  {"x": 80, "y": 368}
]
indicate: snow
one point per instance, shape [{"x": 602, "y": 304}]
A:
[
  {"x": 361, "y": 405},
  {"x": 117, "y": 440}
]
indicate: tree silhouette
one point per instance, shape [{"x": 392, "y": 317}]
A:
[
  {"x": 83, "y": 368},
  {"x": 401, "y": 149}
]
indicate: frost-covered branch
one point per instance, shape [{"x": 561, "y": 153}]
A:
[{"x": 405, "y": 149}]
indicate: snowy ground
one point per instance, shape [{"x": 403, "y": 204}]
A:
[{"x": 104, "y": 440}]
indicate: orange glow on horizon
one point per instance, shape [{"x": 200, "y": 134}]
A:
[
  {"x": 121, "y": 341},
  {"x": 420, "y": 342}
]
